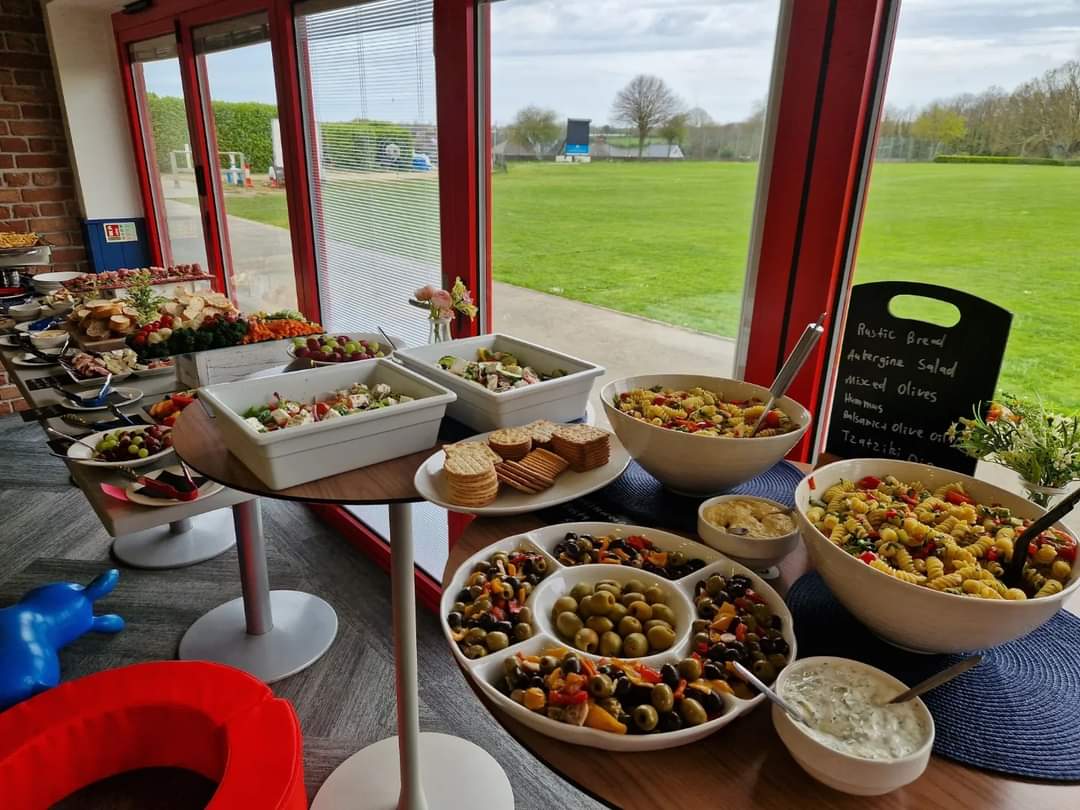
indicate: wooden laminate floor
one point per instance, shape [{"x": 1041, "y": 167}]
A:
[{"x": 345, "y": 700}]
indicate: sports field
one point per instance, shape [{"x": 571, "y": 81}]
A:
[{"x": 668, "y": 241}]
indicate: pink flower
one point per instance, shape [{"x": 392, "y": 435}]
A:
[
  {"x": 440, "y": 299},
  {"x": 425, "y": 293}
]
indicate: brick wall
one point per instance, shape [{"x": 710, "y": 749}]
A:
[{"x": 36, "y": 185}]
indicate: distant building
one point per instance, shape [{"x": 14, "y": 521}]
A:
[{"x": 653, "y": 151}]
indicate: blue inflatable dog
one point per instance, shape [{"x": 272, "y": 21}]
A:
[{"x": 44, "y": 620}]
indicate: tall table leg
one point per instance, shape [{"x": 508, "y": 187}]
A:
[
  {"x": 271, "y": 634},
  {"x": 432, "y": 770}
]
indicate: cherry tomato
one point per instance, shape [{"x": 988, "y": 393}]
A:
[{"x": 772, "y": 419}]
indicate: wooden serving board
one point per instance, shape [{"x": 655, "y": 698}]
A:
[{"x": 89, "y": 344}]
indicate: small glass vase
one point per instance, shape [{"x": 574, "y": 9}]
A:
[
  {"x": 439, "y": 330},
  {"x": 1042, "y": 496}
]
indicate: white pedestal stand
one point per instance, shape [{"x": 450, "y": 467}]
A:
[
  {"x": 179, "y": 544},
  {"x": 271, "y": 634},
  {"x": 455, "y": 773}
]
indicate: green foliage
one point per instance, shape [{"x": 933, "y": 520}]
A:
[
  {"x": 939, "y": 125},
  {"x": 242, "y": 126},
  {"x": 535, "y": 128},
  {"x": 168, "y": 121},
  {"x": 362, "y": 144},
  {"x": 1026, "y": 161}
]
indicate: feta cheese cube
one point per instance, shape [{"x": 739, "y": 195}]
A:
[
  {"x": 381, "y": 390},
  {"x": 359, "y": 401},
  {"x": 280, "y": 416},
  {"x": 255, "y": 424}
]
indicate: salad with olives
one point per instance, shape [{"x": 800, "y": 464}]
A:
[
  {"x": 496, "y": 371},
  {"x": 489, "y": 613},
  {"x": 619, "y": 697},
  {"x": 635, "y": 551}
]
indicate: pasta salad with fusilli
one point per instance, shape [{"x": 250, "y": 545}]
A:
[{"x": 940, "y": 539}]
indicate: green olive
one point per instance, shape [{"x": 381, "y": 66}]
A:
[
  {"x": 482, "y": 605},
  {"x": 629, "y": 597},
  {"x": 633, "y": 586},
  {"x": 628, "y": 625},
  {"x": 584, "y": 607},
  {"x": 585, "y": 544},
  {"x": 476, "y": 591},
  {"x": 610, "y": 705},
  {"x": 664, "y": 613},
  {"x": 510, "y": 666},
  {"x": 601, "y": 624},
  {"x": 660, "y": 638},
  {"x": 617, "y": 611},
  {"x": 476, "y": 579},
  {"x": 699, "y": 639},
  {"x": 764, "y": 670},
  {"x": 610, "y": 644},
  {"x": 662, "y": 697},
  {"x": 602, "y": 602},
  {"x": 525, "y": 615},
  {"x": 497, "y": 641},
  {"x": 697, "y": 626},
  {"x": 692, "y": 712},
  {"x": 475, "y": 634},
  {"x": 459, "y": 607},
  {"x": 500, "y": 557},
  {"x": 581, "y": 590},
  {"x": 504, "y": 590},
  {"x": 762, "y": 613},
  {"x": 475, "y": 651},
  {"x": 654, "y": 594},
  {"x": 568, "y": 624},
  {"x": 635, "y": 645},
  {"x": 641, "y": 611},
  {"x": 715, "y": 584},
  {"x": 522, "y": 631},
  {"x": 587, "y": 640},
  {"x": 548, "y": 664},
  {"x": 612, "y": 587},
  {"x": 777, "y": 660},
  {"x": 645, "y": 717},
  {"x": 690, "y": 668},
  {"x": 601, "y": 686},
  {"x": 564, "y": 603},
  {"x": 677, "y": 558},
  {"x": 651, "y": 623}
]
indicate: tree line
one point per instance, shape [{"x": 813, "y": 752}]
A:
[{"x": 1040, "y": 118}]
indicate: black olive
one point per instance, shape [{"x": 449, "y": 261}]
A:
[
  {"x": 623, "y": 687},
  {"x": 571, "y": 664},
  {"x": 572, "y": 548},
  {"x": 626, "y": 720},
  {"x": 768, "y": 646},
  {"x": 706, "y": 609},
  {"x": 537, "y": 681},
  {"x": 638, "y": 694},
  {"x": 670, "y": 721},
  {"x": 512, "y": 582},
  {"x": 696, "y": 564},
  {"x": 464, "y": 595},
  {"x": 699, "y": 587},
  {"x": 669, "y": 675},
  {"x": 717, "y": 652},
  {"x": 571, "y": 536},
  {"x": 504, "y": 627},
  {"x": 454, "y": 620},
  {"x": 722, "y": 596},
  {"x": 730, "y": 654},
  {"x": 712, "y": 672},
  {"x": 713, "y": 704},
  {"x": 781, "y": 646}
]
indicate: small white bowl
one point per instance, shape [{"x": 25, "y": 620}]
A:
[
  {"x": 758, "y": 553},
  {"x": 59, "y": 308},
  {"x": 48, "y": 338},
  {"x": 25, "y": 312},
  {"x": 844, "y": 772}
]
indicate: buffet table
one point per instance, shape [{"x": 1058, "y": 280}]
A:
[{"x": 743, "y": 765}]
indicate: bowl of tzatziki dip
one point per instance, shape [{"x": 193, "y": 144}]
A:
[{"x": 852, "y": 739}]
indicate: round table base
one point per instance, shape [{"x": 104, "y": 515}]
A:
[
  {"x": 455, "y": 773},
  {"x": 208, "y": 536},
  {"x": 304, "y": 628}
]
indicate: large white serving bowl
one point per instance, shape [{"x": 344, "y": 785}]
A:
[
  {"x": 700, "y": 465},
  {"x": 912, "y": 616},
  {"x": 850, "y": 774}
]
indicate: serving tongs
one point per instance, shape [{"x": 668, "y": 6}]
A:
[
  {"x": 1014, "y": 571},
  {"x": 792, "y": 366},
  {"x": 162, "y": 489}
]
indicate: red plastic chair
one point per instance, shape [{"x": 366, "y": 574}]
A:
[{"x": 208, "y": 718}]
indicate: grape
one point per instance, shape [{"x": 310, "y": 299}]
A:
[
  {"x": 144, "y": 453},
  {"x": 313, "y": 344},
  {"x": 303, "y": 351},
  {"x": 318, "y": 355},
  {"x": 352, "y": 347},
  {"x": 343, "y": 340},
  {"x": 133, "y": 449},
  {"x": 298, "y": 342},
  {"x": 358, "y": 356}
]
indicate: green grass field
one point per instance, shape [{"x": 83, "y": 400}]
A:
[{"x": 668, "y": 241}]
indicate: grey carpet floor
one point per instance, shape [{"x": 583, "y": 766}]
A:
[{"x": 345, "y": 700}]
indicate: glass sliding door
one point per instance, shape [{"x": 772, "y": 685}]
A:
[
  {"x": 367, "y": 77},
  {"x": 251, "y": 181},
  {"x": 159, "y": 96}
]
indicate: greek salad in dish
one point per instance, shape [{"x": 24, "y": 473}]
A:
[
  {"x": 280, "y": 413},
  {"x": 496, "y": 371}
]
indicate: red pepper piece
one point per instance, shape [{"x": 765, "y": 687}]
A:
[
  {"x": 870, "y": 482},
  {"x": 954, "y": 497},
  {"x": 680, "y": 690},
  {"x": 772, "y": 419},
  {"x": 740, "y": 632},
  {"x": 638, "y": 542},
  {"x": 567, "y": 698},
  {"x": 868, "y": 557},
  {"x": 648, "y": 674}
]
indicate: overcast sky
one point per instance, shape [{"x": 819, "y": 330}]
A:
[{"x": 716, "y": 54}]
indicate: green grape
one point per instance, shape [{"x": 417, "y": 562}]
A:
[{"x": 143, "y": 452}]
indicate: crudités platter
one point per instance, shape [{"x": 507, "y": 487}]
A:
[{"x": 526, "y": 642}]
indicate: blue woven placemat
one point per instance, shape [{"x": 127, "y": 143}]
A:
[
  {"x": 636, "y": 497},
  {"x": 980, "y": 718}
]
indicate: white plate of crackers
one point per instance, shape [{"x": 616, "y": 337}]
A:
[{"x": 516, "y": 470}]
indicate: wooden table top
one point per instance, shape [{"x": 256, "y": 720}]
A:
[
  {"x": 197, "y": 441},
  {"x": 744, "y": 765}
]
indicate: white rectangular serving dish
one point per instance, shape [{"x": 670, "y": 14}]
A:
[
  {"x": 560, "y": 400},
  {"x": 285, "y": 458}
]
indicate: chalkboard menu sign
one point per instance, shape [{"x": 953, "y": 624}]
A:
[{"x": 901, "y": 382}]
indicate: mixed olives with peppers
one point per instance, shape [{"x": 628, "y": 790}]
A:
[
  {"x": 620, "y": 697},
  {"x": 636, "y": 551},
  {"x": 627, "y": 620},
  {"x": 489, "y": 613},
  {"x": 734, "y": 623}
]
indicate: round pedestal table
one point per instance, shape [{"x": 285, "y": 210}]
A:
[
  {"x": 743, "y": 765},
  {"x": 412, "y": 771}
]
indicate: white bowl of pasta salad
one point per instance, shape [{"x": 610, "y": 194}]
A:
[
  {"x": 917, "y": 553},
  {"x": 691, "y": 432}
]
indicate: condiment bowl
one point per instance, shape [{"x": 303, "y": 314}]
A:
[
  {"x": 844, "y": 772},
  {"x": 25, "y": 312},
  {"x": 700, "y": 465},
  {"x": 912, "y": 616},
  {"x": 754, "y": 552},
  {"x": 49, "y": 338}
]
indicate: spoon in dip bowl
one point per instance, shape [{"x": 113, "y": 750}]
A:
[
  {"x": 934, "y": 681},
  {"x": 753, "y": 680}
]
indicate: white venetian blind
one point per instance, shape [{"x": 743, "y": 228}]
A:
[{"x": 367, "y": 72}]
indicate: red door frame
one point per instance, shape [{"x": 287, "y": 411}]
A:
[{"x": 833, "y": 61}]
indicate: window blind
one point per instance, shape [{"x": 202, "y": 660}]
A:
[
  {"x": 367, "y": 74},
  {"x": 152, "y": 50},
  {"x": 234, "y": 33}
]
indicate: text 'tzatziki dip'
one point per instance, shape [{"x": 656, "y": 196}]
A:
[{"x": 847, "y": 710}]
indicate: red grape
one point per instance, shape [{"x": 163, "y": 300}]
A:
[
  {"x": 358, "y": 356},
  {"x": 313, "y": 344},
  {"x": 302, "y": 351}
]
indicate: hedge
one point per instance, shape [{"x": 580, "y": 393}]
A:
[
  {"x": 1014, "y": 159},
  {"x": 244, "y": 126}
]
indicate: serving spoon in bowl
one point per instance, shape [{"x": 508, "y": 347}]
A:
[
  {"x": 792, "y": 366},
  {"x": 934, "y": 681},
  {"x": 754, "y": 681}
]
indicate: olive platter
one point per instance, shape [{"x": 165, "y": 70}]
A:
[{"x": 489, "y": 672}]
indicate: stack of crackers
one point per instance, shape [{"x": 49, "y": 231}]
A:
[{"x": 528, "y": 459}]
